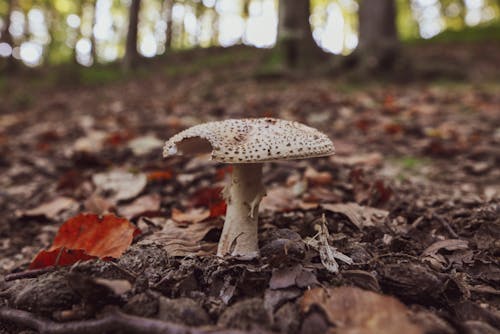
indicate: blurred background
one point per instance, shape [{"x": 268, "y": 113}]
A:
[{"x": 88, "y": 32}]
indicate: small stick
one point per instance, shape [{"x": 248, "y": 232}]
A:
[
  {"x": 446, "y": 225},
  {"x": 30, "y": 273},
  {"x": 112, "y": 321}
]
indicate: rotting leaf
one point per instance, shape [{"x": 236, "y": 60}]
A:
[
  {"x": 352, "y": 310},
  {"x": 296, "y": 276},
  {"x": 87, "y": 236},
  {"x": 359, "y": 216},
  {"x": 449, "y": 245}
]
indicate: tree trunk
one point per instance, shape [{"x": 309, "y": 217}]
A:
[
  {"x": 378, "y": 38},
  {"x": 167, "y": 8},
  {"x": 295, "y": 39},
  {"x": 131, "y": 54},
  {"x": 93, "y": 43}
]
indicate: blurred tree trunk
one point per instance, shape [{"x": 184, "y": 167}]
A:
[
  {"x": 131, "y": 54},
  {"x": 378, "y": 46},
  {"x": 295, "y": 40},
  {"x": 10, "y": 62},
  {"x": 168, "y": 5},
  {"x": 93, "y": 43}
]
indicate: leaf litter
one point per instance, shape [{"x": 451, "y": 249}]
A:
[{"x": 406, "y": 155}]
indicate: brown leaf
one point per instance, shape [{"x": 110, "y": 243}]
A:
[
  {"x": 194, "y": 215},
  {"x": 449, "y": 245},
  {"x": 98, "y": 204},
  {"x": 292, "y": 276},
  {"x": 52, "y": 209},
  {"x": 143, "y": 204},
  {"x": 315, "y": 177},
  {"x": 182, "y": 240},
  {"x": 365, "y": 159},
  {"x": 360, "y": 216},
  {"x": 121, "y": 184},
  {"x": 352, "y": 310}
]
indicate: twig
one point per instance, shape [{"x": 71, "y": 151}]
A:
[
  {"x": 446, "y": 225},
  {"x": 30, "y": 273},
  {"x": 112, "y": 321}
]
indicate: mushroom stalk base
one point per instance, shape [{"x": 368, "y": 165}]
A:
[{"x": 240, "y": 233}]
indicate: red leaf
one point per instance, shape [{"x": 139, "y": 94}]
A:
[
  {"x": 211, "y": 198},
  {"x": 118, "y": 138},
  {"x": 160, "y": 175},
  {"x": 88, "y": 236},
  {"x": 66, "y": 257},
  {"x": 222, "y": 172},
  {"x": 207, "y": 196},
  {"x": 218, "y": 209}
]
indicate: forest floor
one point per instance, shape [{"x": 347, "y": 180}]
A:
[{"x": 412, "y": 198}]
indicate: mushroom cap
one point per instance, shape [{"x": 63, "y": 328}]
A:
[{"x": 251, "y": 140}]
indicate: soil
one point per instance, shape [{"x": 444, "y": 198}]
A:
[{"x": 419, "y": 157}]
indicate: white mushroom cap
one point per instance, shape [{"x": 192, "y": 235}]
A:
[{"x": 251, "y": 140}]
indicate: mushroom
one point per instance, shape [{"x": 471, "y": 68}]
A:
[{"x": 247, "y": 144}]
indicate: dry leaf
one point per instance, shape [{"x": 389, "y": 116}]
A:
[
  {"x": 52, "y": 209},
  {"x": 449, "y": 245},
  {"x": 91, "y": 143},
  {"x": 194, "y": 215},
  {"x": 182, "y": 240},
  {"x": 144, "y": 145},
  {"x": 365, "y": 159},
  {"x": 98, "y": 204},
  {"x": 354, "y": 311},
  {"x": 360, "y": 216},
  {"x": 141, "y": 205},
  {"x": 315, "y": 177},
  {"x": 121, "y": 184}
]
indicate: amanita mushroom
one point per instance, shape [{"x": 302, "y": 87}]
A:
[{"x": 247, "y": 144}]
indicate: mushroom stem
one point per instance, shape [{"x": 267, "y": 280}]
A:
[{"x": 239, "y": 235}]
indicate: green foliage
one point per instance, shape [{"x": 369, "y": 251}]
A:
[
  {"x": 211, "y": 61},
  {"x": 486, "y": 32},
  {"x": 99, "y": 75},
  {"x": 479, "y": 33}
]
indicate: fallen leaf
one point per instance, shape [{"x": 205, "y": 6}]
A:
[
  {"x": 59, "y": 257},
  {"x": 292, "y": 276},
  {"x": 352, "y": 310},
  {"x": 210, "y": 198},
  {"x": 121, "y": 184},
  {"x": 87, "y": 236},
  {"x": 141, "y": 205},
  {"x": 118, "y": 138},
  {"x": 365, "y": 159},
  {"x": 194, "y": 215},
  {"x": 52, "y": 209},
  {"x": 207, "y": 196},
  {"x": 159, "y": 175},
  {"x": 279, "y": 199},
  {"x": 144, "y": 145},
  {"x": 183, "y": 240},
  {"x": 449, "y": 245},
  {"x": 315, "y": 177},
  {"x": 98, "y": 204},
  {"x": 360, "y": 216},
  {"x": 91, "y": 143}
]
